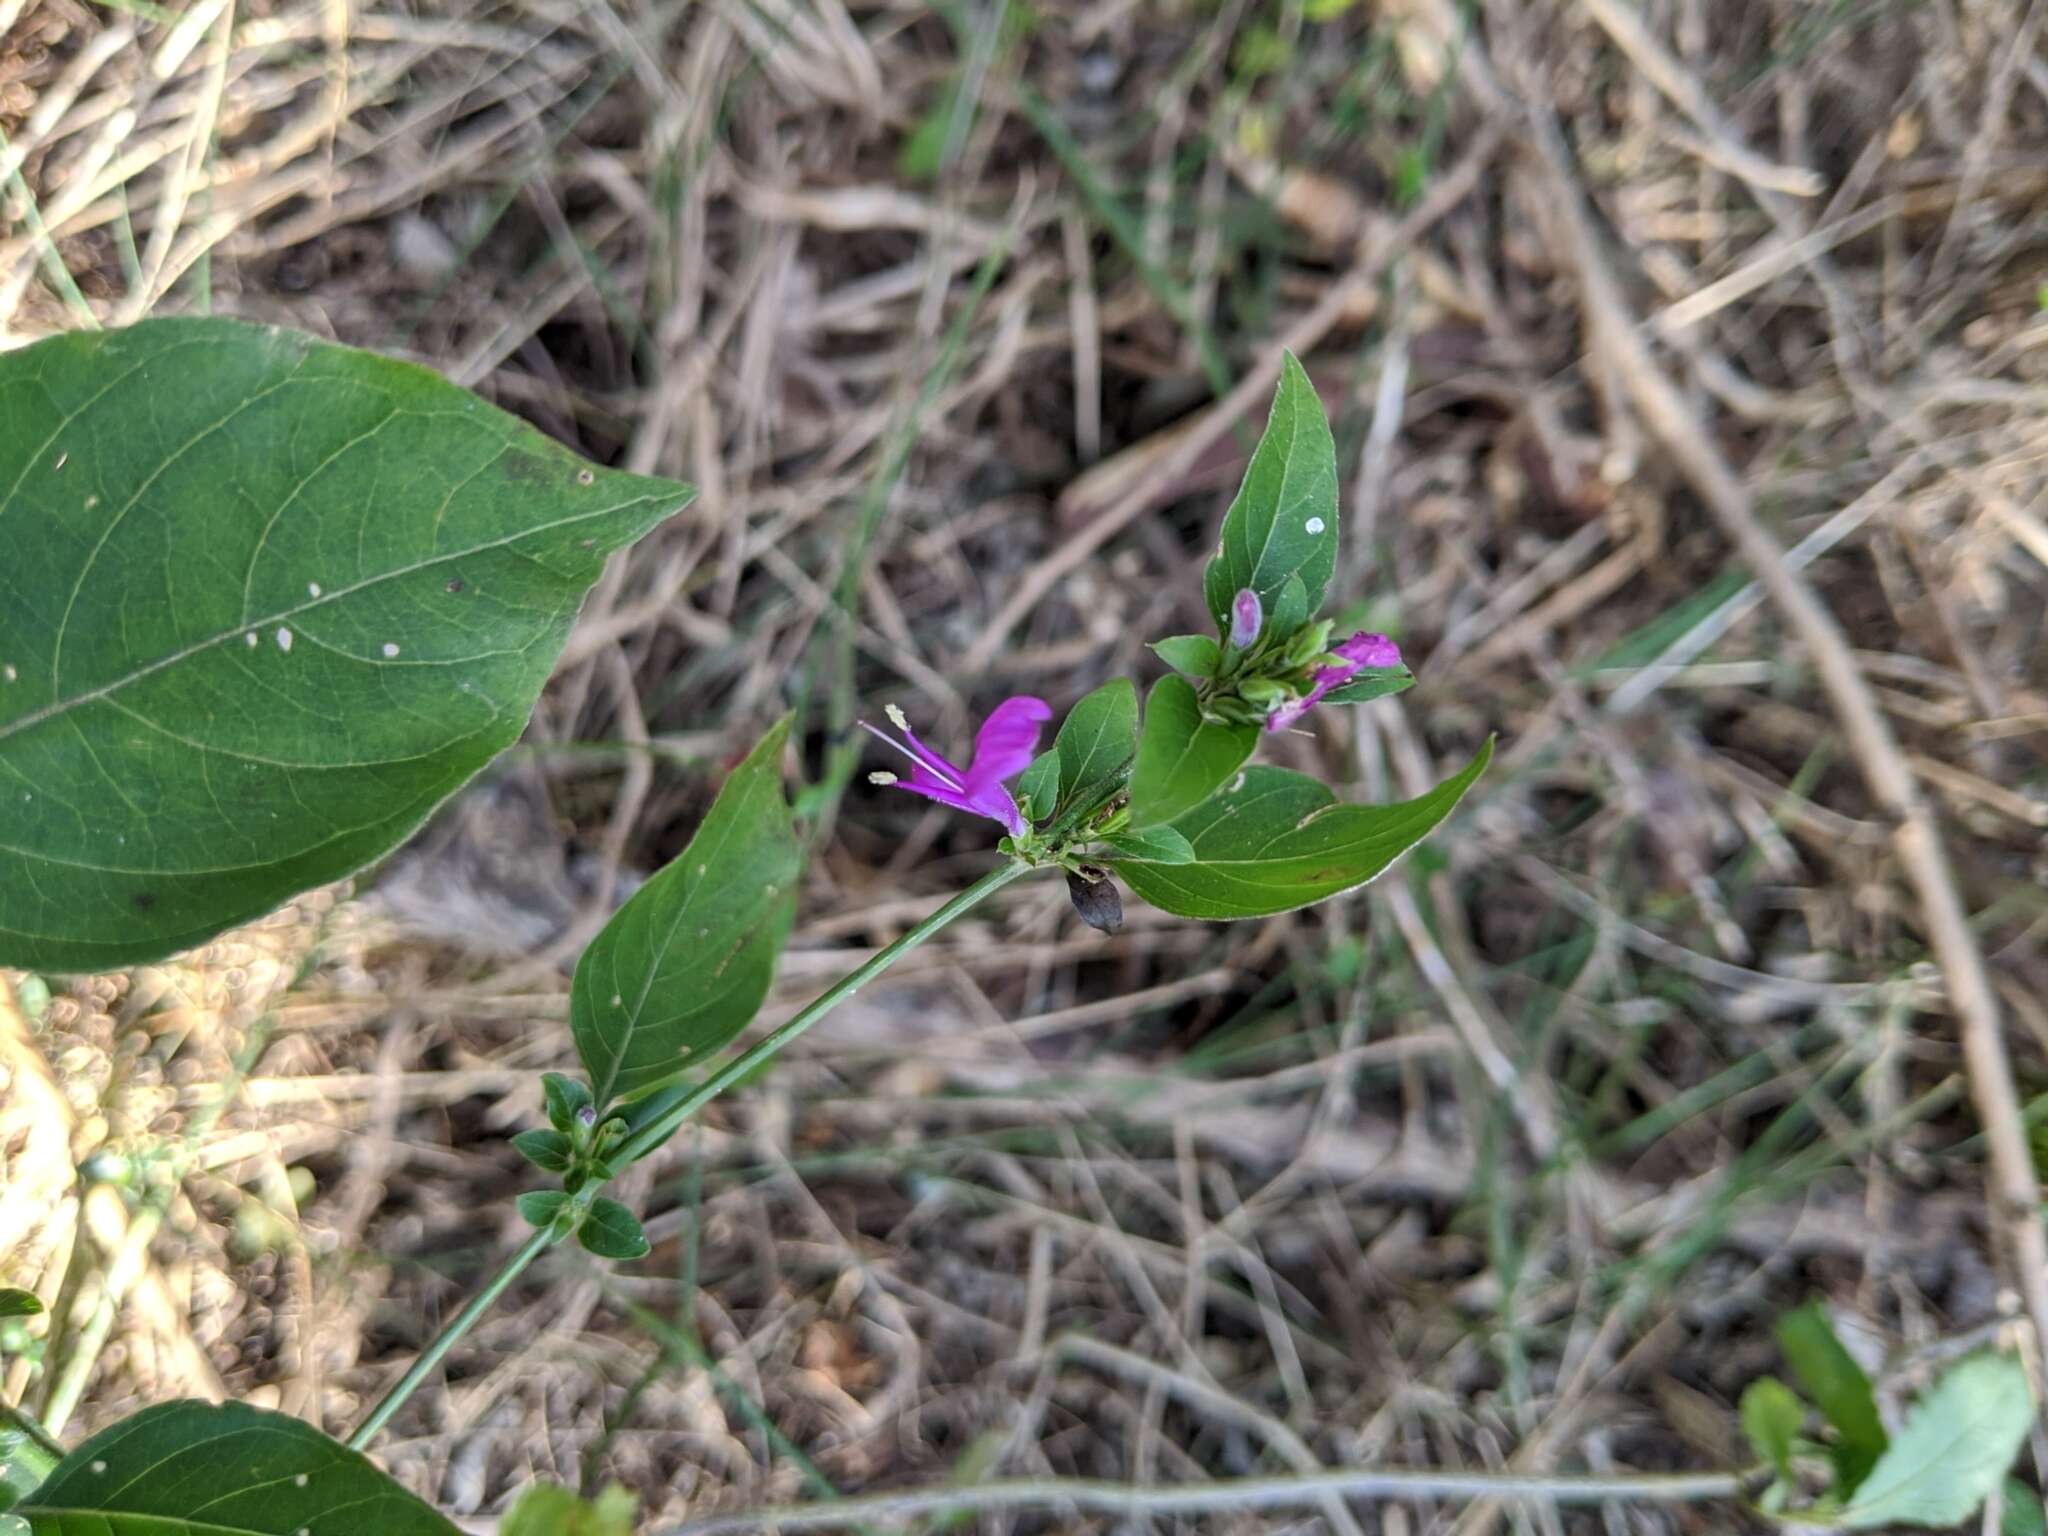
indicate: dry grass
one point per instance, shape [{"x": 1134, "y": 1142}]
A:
[{"x": 1508, "y": 1163}]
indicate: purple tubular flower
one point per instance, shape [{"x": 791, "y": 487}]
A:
[
  {"x": 1003, "y": 748},
  {"x": 1362, "y": 650},
  {"x": 1247, "y": 615}
]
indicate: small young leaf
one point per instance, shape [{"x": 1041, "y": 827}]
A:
[
  {"x": 1038, "y": 791},
  {"x": 1957, "y": 1445},
  {"x": 1838, "y": 1386},
  {"x": 268, "y": 602},
  {"x": 1096, "y": 902},
  {"x": 612, "y": 1232},
  {"x": 14, "y": 1303},
  {"x": 548, "y": 1151},
  {"x": 1771, "y": 1416},
  {"x": 1284, "y": 520},
  {"x": 1374, "y": 683},
  {"x": 547, "y": 1509},
  {"x": 1159, "y": 845},
  {"x": 180, "y": 1469},
  {"x": 542, "y": 1207},
  {"x": 1182, "y": 758},
  {"x": 681, "y": 967},
  {"x": 564, "y": 1096},
  {"x": 1096, "y": 740},
  {"x": 1286, "y": 616},
  {"x": 1276, "y": 840},
  {"x": 1196, "y": 656}
]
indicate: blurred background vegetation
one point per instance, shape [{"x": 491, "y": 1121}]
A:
[{"x": 961, "y": 317}]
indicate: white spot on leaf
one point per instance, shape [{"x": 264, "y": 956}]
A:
[
  {"x": 62, "y": 459},
  {"x": 250, "y": 639},
  {"x": 284, "y": 639},
  {"x": 8, "y": 672},
  {"x": 390, "y": 650},
  {"x": 312, "y": 589},
  {"x": 99, "y": 1466},
  {"x": 300, "y": 1480},
  {"x": 1314, "y": 525}
]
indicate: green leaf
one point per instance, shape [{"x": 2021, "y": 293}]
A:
[
  {"x": 1277, "y": 840},
  {"x": 266, "y": 603},
  {"x": 1286, "y": 616},
  {"x": 611, "y": 1231},
  {"x": 1771, "y": 1416},
  {"x": 1158, "y": 845},
  {"x": 2022, "y": 1513},
  {"x": 542, "y": 1207},
  {"x": 1196, "y": 656},
  {"x": 1096, "y": 740},
  {"x": 27, "y": 1458},
  {"x": 1838, "y": 1386},
  {"x": 564, "y": 1096},
  {"x": 196, "y": 1469},
  {"x": 1284, "y": 520},
  {"x": 1038, "y": 791},
  {"x": 1378, "y": 683},
  {"x": 1957, "y": 1445},
  {"x": 683, "y": 965},
  {"x": 1182, "y": 758},
  {"x": 549, "y": 1151},
  {"x": 545, "y": 1509},
  {"x": 14, "y": 1303}
]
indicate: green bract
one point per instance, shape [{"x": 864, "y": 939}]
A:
[{"x": 266, "y": 603}]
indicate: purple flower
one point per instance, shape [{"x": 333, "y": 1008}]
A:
[
  {"x": 1003, "y": 748},
  {"x": 1247, "y": 615},
  {"x": 1362, "y": 650}
]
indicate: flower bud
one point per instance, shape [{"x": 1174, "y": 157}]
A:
[{"x": 1247, "y": 616}]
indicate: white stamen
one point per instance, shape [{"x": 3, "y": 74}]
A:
[
  {"x": 925, "y": 764},
  {"x": 896, "y": 718},
  {"x": 882, "y": 778},
  {"x": 1315, "y": 525}
]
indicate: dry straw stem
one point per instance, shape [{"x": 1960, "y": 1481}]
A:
[
  {"x": 1616, "y": 336},
  {"x": 1225, "y": 1495}
]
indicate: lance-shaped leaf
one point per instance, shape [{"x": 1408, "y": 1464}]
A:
[
  {"x": 1096, "y": 741},
  {"x": 1836, "y": 1383},
  {"x": 1276, "y": 840},
  {"x": 1284, "y": 520},
  {"x": 1182, "y": 758},
  {"x": 266, "y": 602},
  {"x": 196, "y": 1469},
  {"x": 1956, "y": 1446},
  {"x": 683, "y": 965}
]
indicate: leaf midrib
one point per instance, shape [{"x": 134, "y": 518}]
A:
[{"x": 59, "y": 707}]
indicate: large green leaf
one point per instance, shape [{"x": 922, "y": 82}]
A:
[
  {"x": 682, "y": 967},
  {"x": 196, "y": 1469},
  {"x": 265, "y": 603},
  {"x": 1956, "y": 1446},
  {"x": 1284, "y": 520},
  {"x": 1276, "y": 840},
  {"x": 1096, "y": 740},
  {"x": 1837, "y": 1384},
  {"x": 1182, "y": 758},
  {"x": 547, "y": 1510}
]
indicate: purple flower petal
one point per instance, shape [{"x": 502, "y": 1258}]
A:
[
  {"x": 1360, "y": 651},
  {"x": 1247, "y": 617},
  {"x": 1006, "y": 742}
]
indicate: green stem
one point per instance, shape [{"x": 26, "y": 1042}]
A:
[
  {"x": 446, "y": 1339},
  {"x": 663, "y": 1115},
  {"x": 660, "y": 1117}
]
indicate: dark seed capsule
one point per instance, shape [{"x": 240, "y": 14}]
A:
[{"x": 1097, "y": 902}]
